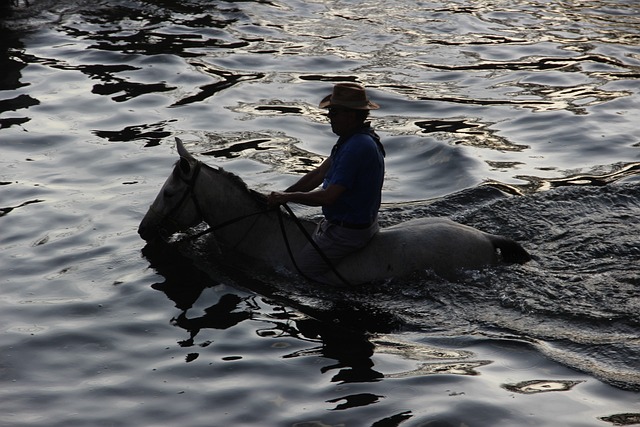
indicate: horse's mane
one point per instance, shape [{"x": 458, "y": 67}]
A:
[{"x": 236, "y": 180}]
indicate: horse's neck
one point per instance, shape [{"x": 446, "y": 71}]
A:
[
  {"x": 223, "y": 198},
  {"x": 259, "y": 234},
  {"x": 220, "y": 198}
]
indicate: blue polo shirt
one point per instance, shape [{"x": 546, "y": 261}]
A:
[{"x": 357, "y": 163}]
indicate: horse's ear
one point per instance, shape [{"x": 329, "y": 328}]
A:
[
  {"x": 182, "y": 152},
  {"x": 187, "y": 161}
]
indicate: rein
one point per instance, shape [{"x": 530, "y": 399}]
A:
[
  {"x": 310, "y": 240},
  {"x": 190, "y": 192},
  {"x": 211, "y": 229},
  {"x": 191, "y": 186}
]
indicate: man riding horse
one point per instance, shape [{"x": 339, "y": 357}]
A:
[
  {"x": 351, "y": 183},
  {"x": 351, "y": 250}
]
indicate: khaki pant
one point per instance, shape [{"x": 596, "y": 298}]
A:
[{"x": 335, "y": 242}]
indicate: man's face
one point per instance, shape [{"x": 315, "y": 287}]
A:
[{"x": 343, "y": 120}]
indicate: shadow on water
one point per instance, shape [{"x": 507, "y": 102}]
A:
[
  {"x": 342, "y": 333},
  {"x": 345, "y": 335},
  {"x": 343, "y": 339}
]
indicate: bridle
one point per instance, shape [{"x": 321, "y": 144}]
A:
[
  {"x": 190, "y": 193},
  {"x": 191, "y": 183}
]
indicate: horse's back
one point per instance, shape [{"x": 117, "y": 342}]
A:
[{"x": 438, "y": 244}]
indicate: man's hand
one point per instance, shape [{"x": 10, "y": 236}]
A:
[{"x": 276, "y": 198}]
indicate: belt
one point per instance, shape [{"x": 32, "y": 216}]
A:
[{"x": 352, "y": 225}]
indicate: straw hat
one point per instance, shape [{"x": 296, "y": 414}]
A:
[{"x": 348, "y": 95}]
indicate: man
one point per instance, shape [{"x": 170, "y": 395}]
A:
[{"x": 351, "y": 181}]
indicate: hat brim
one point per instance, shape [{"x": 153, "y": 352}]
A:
[{"x": 326, "y": 103}]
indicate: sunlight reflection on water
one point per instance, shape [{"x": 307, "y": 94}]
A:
[{"x": 529, "y": 97}]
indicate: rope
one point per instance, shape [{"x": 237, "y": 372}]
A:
[
  {"x": 191, "y": 192},
  {"x": 226, "y": 223},
  {"x": 310, "y": 240},
  {"x": 284, "y": 236}
]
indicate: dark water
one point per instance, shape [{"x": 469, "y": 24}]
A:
[{"x": 517, "y": 117}]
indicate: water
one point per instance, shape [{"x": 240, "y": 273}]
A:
[{"x": 518, "y": 117}]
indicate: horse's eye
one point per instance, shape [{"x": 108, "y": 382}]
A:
[{"x": 167, "y": 194}]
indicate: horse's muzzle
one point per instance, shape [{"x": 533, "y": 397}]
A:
[
  {"x": 146, "y": 233},
  {"x": 153, "y": 232}
]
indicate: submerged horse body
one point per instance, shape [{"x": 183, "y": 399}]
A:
[{"x": 195, "y": 192}]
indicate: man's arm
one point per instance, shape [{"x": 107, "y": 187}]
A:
[
  {"x": 303, "y": 191},
  {"x": 322, "y": 197}
]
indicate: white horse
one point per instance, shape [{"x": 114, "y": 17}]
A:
[{"x": 195, "y": 192}]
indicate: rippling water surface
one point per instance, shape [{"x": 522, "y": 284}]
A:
[{"x": 517, "y": 117}]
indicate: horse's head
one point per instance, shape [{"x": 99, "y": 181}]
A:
[{"x": 175, "y": 207}]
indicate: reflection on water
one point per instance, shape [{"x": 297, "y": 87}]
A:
[
  {"x": 519, "y": 118},
  {"x": 152, "y": 133},
  {"x": 619, "y": 172},
  {"x": 540, "y": 386},
  {"x": 341, "y": 337},
  {"x": 219, "y": 316},
  {"x": 623, "y": 419}
]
